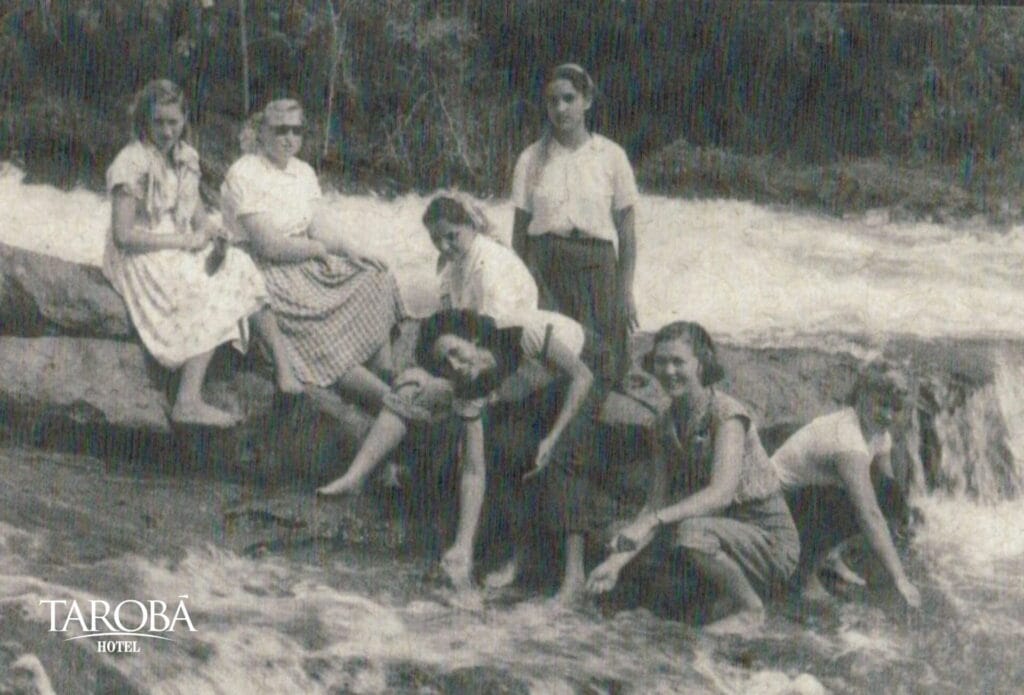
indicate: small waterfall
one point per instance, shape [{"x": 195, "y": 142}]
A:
[{"x": 972, "y": 434}]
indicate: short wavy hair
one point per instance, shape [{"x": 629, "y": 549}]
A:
[{"x": 711, "y": 370}]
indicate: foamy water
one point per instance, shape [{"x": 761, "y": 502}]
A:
[{"x": 749, "y": 273}]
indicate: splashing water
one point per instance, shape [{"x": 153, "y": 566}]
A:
[{"x": 751, "y": 274}]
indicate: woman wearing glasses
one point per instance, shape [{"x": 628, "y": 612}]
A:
[
  {"x": 335, "y": 305},
  {"x": 825, "y": 470}
]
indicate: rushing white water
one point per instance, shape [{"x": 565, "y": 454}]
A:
[
  {"x": 747, "y": 272},
  {"x": 751, "y": 274}
]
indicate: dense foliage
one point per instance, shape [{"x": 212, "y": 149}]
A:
[{"x": 420, "y": 93}]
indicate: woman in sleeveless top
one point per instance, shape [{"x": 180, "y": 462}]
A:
[{"x": 712, "y": 486}]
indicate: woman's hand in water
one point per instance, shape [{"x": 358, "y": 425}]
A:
[
  {"x": 604, "y": 577},
  {"x": 909, "y": 592},
  {"x": 544, "y": 450}
]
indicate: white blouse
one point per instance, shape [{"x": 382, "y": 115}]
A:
[
  {"x": 574, "y": 189},
  {"x": 253, "y": 185}
]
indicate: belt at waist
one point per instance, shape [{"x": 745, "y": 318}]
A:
[{"x": 574, "y": 234}]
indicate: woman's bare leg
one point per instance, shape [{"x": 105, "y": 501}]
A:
[
  {"x": 365, "y": 386},
  {"x": 385, "y": 434},
  {"x": 575, "y": 576},
  {"x": 730, "y": 579},
  {"x": 266, "y": 325},
  {"x": 189, "y": 406}
]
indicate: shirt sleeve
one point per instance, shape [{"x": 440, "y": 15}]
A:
[
  {"x": 520, "y": 183},
  {"x": 241, "y": 191},
  {"x": 624, "y": 190},
  {"x": 129, "y": 170}
]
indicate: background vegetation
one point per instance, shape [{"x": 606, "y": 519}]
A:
[{"x": 840, "y": 106}]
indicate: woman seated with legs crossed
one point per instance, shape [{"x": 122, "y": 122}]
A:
[
  {"x": 712, "y": 486},
  {"x": 825, "y": 469},
  {"x": 335, "y": 305},
  {"x": 182, "y": 300}
]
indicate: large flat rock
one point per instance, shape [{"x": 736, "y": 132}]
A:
[{"x": 41, "y": 294}]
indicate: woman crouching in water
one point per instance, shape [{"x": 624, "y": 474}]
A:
[
  {"x": 826, "y": 471},
  {"x": 712, "y": 486}
]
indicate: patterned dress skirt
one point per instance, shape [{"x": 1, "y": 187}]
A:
[
  {"x": 333, "y": 315},
  {"x": 180, "y": 310}
]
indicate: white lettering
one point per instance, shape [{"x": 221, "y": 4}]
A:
[
  {"x": 102, "y": 617},
  {"x": 158, "y": 609},
  {"x": 183, "y": 612},
  {"x": 53, "y": 611},
  {"x": 75, "y": 614},
  {"x": 117, "y": 616}
]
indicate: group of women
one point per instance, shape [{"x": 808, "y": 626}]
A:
[{"x": 559, "y": 302}]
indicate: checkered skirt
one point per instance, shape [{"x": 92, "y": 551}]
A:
[{"x": 333, "y": 315}]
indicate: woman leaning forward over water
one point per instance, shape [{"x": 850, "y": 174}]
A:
[
  {"x": 335, "y": 305},
  {"x": 476, "y": 356},
  {"x": 183, "y": 300},
  {"x": 574, "y": 193},
  {"x": 826, "y": 469},
  {"x": 712, "y": 486}
]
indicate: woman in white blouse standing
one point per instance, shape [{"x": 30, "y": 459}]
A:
[{"x": 574, "y": 193}]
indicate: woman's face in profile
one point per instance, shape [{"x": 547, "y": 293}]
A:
[
  {"x": 452, "y": 240},
  {"x": 461, "y": 360},
  {"x": 166, "y": 126},
  {"x": 677, "y": 368},
  {"x": 281, "y": 135}
]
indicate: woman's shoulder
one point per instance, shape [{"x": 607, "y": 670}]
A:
[
  {"x": 134, "y": 154},
  {"x": 725, "y": 407},
  {"x": 609, "y": 147},
  {"x": 244, "y": 166},
  {"x": 129, "y": 165}
]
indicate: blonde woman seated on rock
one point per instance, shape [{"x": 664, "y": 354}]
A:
[
  {"x": 184, "y": 295},
  {"x": 336, "y": 305}
]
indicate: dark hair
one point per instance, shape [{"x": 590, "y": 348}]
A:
[
  {"x": 155, "y": 93},
  {"x": 575, "y": 74},
  {"x": 582, "y": 83},
  {"x": 449, "y": 209},
  {"x": 478, "y": 329},
  {"x": 879, "y": 376},
  {"x": 711, "y": 371}
]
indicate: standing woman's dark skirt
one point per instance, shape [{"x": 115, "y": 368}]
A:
[{"x": 578, "y": 276}]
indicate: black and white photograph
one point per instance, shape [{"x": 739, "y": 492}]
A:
[{"x": 511, "y": 348}]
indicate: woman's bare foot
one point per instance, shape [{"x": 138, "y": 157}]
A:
[
  {"x": 339, "y": 486},
  {"x": 201, "y": 413},
  {"x": 458, "y": 568},
  {"x": 746, "y": 622},
  {"x": 837, "y": 565},
  {"x": 504, "y": 576},
  {"x": 813, "y": 591}
]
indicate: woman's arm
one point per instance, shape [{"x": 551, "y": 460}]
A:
[
  {"x": 605, "y": 576},
  {"x": 719, "y": 493},
  {"x": 581, "y": 379},
  {"x": 269, "y": 245},
  {"x": 854, "y": 471},
  {"x": 325, "y": 230},
  {"x": 131, "y": 239},
  {"x": 625, "y": 225},
  {"x": 520, "y": 223}
]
